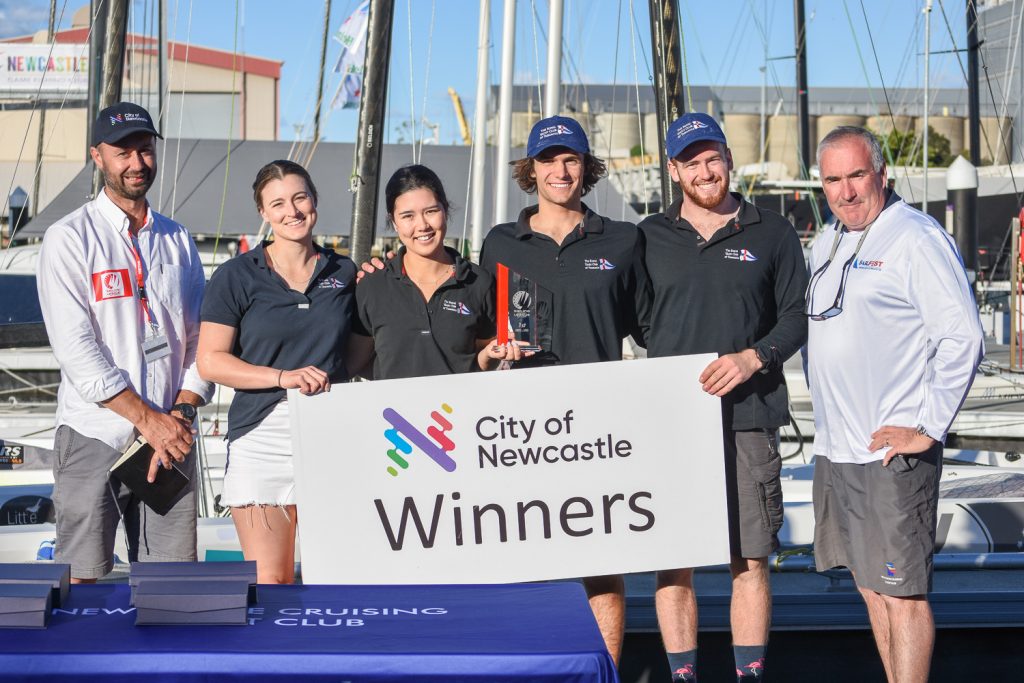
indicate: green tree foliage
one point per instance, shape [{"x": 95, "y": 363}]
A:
[{"x": 906, "y": 148}]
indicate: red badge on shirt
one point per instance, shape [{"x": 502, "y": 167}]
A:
[{"x": 111, "y": 284}]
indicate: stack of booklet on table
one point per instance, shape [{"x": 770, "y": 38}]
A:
[
  {"x": 211, "y": 593},
  {"x": 29, "y": 591}
]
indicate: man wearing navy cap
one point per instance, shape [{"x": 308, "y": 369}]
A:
[
  {"x": 589, "y": 267},
  {"x": 727, "y": 278},
  {"x": 120, "y": 288}
]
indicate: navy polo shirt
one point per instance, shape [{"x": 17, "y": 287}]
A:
[
  {"x": 416, "y": 338},
  {"x": 279, "y": 327},
  {"x": 743, "y": 288},
  {"x": 596, "y": 279}
]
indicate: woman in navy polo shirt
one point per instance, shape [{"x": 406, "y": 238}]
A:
[
  {"x": 253, "y": 306},
  {"x": 428, "y": 311}
]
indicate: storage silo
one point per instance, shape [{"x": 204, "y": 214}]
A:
[
  {"x": 950, "y": 127},
  {"x": 615, "y": 135},
  {"x": 883, "y": 123},
  {"x": 522, "y": 123},
  {"x": 783, "y": 139},
  {"x": 993, "y": 151},
  {"x": 743, "y": 131},
  {"x": 652, "y": 137},
  {"x": 829, "y": 122}
]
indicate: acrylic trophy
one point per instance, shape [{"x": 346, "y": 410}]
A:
[{"x": 524, "y": 311}]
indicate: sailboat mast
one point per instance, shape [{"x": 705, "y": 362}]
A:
[
  {"x": 927, "y": 64},
  {"x": 42, "y": 121},
  {"x": 113, "y": 65},
  {"x": 97, "y": 43},
  {"x": 552, "y": 94},
  {"x": 365, "y": 182},
  {"x": 480, "y": 131},
  {"x": 802, "y": 115},
  {"x": 973, "y": 103},
  {"x": 161, "y": 79},
  {"x": 323, "y": 67},
  {"x": 504, "y": 142},
  {"x": 668, "y": 83}
]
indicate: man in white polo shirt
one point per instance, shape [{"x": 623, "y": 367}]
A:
[
  {"x": 893, "y": 343},
  {"x": 120, "y": 288}
]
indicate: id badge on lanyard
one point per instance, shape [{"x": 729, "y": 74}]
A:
[{"x": 155, "y": 346}]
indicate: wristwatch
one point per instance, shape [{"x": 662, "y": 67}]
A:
[
  {"x": 187, "y": 410},
  {"x": 765, "y": 363}
]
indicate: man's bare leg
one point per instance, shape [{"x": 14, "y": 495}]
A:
[
  {"x": 879, "y": 617},
  {"x": 607, "y": 595},
  {"x": 751, "y": 608},
  {"x": 676, "y": 605},
  {"x": 911, "y": 637}
]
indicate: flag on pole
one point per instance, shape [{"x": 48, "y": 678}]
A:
[{"x": 352, "y": 36}]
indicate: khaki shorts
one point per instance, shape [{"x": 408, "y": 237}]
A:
[
  {"x": 753, "y": 491},
  {"x": 87, "y": 504},
  {"x": 879, "y": 521}
]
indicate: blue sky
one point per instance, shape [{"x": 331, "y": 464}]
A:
[{"x": 604, "y": 41}]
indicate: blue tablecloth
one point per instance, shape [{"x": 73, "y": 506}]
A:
[{"x": 532, "y": 632}]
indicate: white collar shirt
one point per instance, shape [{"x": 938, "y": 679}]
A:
[
  {"x": 904, "y": 350},
  {"x": 95, "y": 318}
]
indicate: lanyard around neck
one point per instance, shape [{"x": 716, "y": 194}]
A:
[{"x": 140, "y": 282}]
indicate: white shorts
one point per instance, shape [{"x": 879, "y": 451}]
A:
[{"x": 259, "y": 469}]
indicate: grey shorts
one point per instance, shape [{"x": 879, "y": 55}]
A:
[
  {"x": 753, "y": 491},
  {"x": 87, "y": 505},
  {"x": 879, "y": 521}
]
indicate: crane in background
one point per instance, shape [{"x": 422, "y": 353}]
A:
[{"x": 460, "y": 114}]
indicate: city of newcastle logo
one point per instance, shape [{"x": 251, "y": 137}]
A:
[
  {"x": 403, "y": 436},
  {"x": 111, "y": 284},
  {"x": 890, "y": 570},
  {"x": 114, "y": 120}
]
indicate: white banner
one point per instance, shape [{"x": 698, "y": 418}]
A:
[
  {"x": 578, "y": 470},
  {"x": 24, "y": 66}
]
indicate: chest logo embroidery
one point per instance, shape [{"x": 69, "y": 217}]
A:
[
  {"x": 865, "y": 264},
  {"x": 598, "y": 264},
  {"x": 111, "y": 284},
  {"x": 456, "y": 307},
  {"x": 331, "y": 283},
  {"x": 740, "y": 255}
]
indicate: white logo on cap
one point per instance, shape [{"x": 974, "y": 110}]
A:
[
  {"x": 689, "y": 128},
  {"x": 550, "y": 131}
]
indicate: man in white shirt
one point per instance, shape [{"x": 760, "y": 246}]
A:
[
  {"x": 120, "y": 288},
  {"x": 893, "y": 343}
]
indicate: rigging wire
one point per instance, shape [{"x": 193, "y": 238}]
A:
[
  {"x": 165, "y": 95},
  {"x": 536, "y": 57},
  {"x": 1003, "y": 110},
  {"x": 426, "y": 79},
  {"x": 686, "y": 68},
  {"x": 412, "y": 84},
  {"x": 231, "y": 131},
  {"x": 885, "y": 93},
  {"x": 181, "y": 112},
  {"x": 636, "y": 90}
]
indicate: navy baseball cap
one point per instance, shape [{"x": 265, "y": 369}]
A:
[
  {"x": 118, "y": 121},
  {"x": 557, "y": 131},
  {"x": 691, "y": 128}
]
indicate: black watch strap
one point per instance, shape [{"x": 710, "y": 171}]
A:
[{"x": 187, "y": 410}]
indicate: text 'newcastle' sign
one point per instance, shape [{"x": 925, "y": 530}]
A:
[
  {"x": 511, "y": 476},
  {"x": 27, "y": 69}
]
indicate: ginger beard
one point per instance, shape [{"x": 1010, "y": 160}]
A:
[{"x": 705, "y": 193}]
